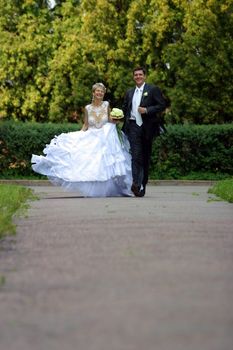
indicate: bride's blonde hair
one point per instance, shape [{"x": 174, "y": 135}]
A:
[{"x": 98, "y": 85}]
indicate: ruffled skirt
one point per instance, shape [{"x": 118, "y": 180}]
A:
[{"x": 96, "y": 162}]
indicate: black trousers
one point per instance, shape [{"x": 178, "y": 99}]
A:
[{"x": 141, "y": 148}]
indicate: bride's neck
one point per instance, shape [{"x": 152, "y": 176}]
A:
[{"x": 97, "y": 103}]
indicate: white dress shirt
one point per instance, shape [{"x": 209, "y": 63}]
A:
[{"x": 135, "y": 104}]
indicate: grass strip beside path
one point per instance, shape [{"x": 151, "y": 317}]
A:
[
  {"x": 13, "y": 201},
  {"x": 224, "y": 190}
]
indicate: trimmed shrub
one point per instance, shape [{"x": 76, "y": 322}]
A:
[
  {"x": 18, "y": 141},
  {"x": 193, "y": 149},
  {"x": 190, "y": 151}
]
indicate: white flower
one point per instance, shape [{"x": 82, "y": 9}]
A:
[
  {"x": 145, "y": 94},
  {"x": 117, "y": 113}
]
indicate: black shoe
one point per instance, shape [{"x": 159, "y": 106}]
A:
[
  {"x": 144, "y": 189},
  {"x": 142, "y": 192},
  {"x": 136, "y": 190}
]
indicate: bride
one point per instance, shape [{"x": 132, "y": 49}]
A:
[{"x": 93, "y": 161}]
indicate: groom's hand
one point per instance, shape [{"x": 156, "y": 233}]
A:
[{"x": 142, "y": 110}]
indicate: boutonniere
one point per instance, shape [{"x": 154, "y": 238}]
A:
[{"x": 145, "y": 94}]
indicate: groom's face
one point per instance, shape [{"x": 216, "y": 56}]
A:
[{"x": 139, "y": 77}]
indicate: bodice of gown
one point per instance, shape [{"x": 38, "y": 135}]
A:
[{"x": 97, "y": 116}]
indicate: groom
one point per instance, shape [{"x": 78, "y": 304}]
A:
[{"x": 142, "y": 106}]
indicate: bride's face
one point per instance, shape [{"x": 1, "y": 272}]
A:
[{"x": 98, "y": 94}]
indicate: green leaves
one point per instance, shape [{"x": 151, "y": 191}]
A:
[
  {"x": 25, "y": 48},
  {"x": 188, "y": 149},
  {"x": 200, "y": 64},
  {"x": 50, "y": 58}
]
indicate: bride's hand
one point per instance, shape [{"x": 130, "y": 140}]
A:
[{"x": 114, "y": 121}]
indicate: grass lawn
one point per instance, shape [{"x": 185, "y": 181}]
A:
[
  {"x": 13, "y": 201},
  {"x": 223, "y": 189}
]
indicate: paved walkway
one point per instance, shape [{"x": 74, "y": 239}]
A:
[{"x": 152, "y": 273}]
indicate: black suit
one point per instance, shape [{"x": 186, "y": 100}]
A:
[{"x": 141, "y": 137}]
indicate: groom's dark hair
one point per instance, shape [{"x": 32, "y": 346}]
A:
[{"x": 140, "y": 68}]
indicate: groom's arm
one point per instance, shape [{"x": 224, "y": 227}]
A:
[
  {"x": 155, "y": 104},
  {"x": 158, "y": 103}
]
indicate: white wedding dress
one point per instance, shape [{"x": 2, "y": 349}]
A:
[{"x": 96, "y": 162}]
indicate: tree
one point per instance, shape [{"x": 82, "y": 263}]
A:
[
  {"x": 50, "y": 57},
  {"x": 201, "y": 64},
  {"x": 66, "y": 78},
  {"x": 186, "y": 48},
  {"x": 25, "y": 48},
  {"x": 102, "y": 32}
]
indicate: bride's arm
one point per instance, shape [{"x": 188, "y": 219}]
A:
[
  {"x": 85, "y": 124},
  {"x": 109, "y": 113},
  {"x": 114, "y": 121}
]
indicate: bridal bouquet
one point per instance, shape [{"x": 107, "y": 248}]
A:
[{"x": 117, "y": 113}]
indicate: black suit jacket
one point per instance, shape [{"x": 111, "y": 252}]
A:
[{"x": 153, "y": 100}]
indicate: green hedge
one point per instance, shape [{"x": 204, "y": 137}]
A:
[
  {"x": 191, "y": 150},
  {"x": 18, "y": 141},
  {"x": 183, "y": 151}
]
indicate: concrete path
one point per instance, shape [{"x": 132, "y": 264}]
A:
[{"x": 152, "y": 273}]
